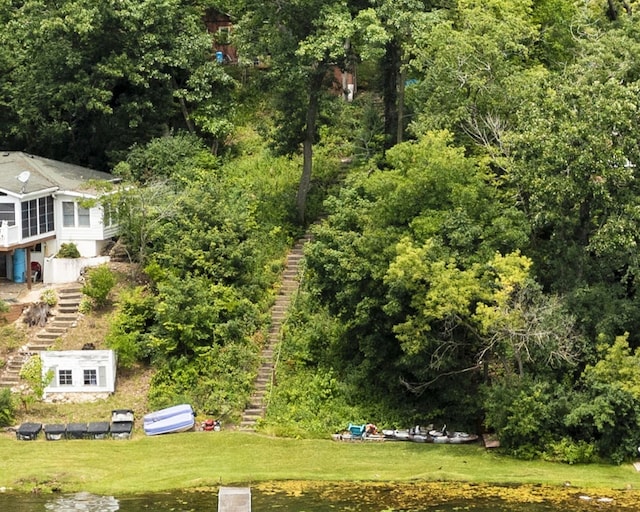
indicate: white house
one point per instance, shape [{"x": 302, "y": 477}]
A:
[
  {"x": 79, "y": 375},
  {"x": 45, "y": 203}
]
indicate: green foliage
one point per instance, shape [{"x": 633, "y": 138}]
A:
[
  {"x": 109, "y": 76},
  {"x": 525, "y": 414},
  {"x": 571, "y": 452},
  {"x": 4, "y": 307},
  {"x": 11, "y": 337},
  {"x": 217, "y": 382},
  {"x": 99, "y": 282},
  {"x": 36, "y": 381},
  {"x": 129, "y": 330},
  {"x": 605, "y": 413},
  {"x": 165, "y": 158},
  {"x": 7, "y": 407},
  {"x": 68, "y": 250},
  {"x": 49, "y": 297}
]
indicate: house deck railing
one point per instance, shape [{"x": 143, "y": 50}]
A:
[{"x": 9, "y": 234}]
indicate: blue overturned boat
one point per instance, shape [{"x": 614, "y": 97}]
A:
[{"x": 178, "y": 418}]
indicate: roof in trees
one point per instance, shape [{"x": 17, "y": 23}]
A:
[{"x": 22, "y": 173}]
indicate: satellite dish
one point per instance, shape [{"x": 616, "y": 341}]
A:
[{"x": 23, "y": 177}]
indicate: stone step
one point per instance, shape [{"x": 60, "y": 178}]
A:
[
  {"x": 289, "y": 286},
  {"x": 69, "y": 297},
  {"x": 59, "y": 329},
  {"x": 39, "y": 347},
  {"x": 62, "y": 325},
  {"x": 252, "y": 417},
  {"x": 68, "y": 303},
  {"x": 69, "y": 309},
  {"x": 65, "y": 317},
  {"x": 46, "y": 335}
]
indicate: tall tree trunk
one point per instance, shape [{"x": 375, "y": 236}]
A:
[
  {"x": 390, "y": 72},
  {"x": 401, "y": 84},
  {"x": 315, "y": 84}
]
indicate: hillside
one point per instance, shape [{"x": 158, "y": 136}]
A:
[{"x": 132, "y": 385}]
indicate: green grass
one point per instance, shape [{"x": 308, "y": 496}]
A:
[{"x": 209, "y": 459}]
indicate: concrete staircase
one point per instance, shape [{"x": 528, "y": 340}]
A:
[
  {"x": 66, "y": 316},
  {"x": 290, "y": 282}
]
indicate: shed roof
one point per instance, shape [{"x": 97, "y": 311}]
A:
[{"x": 45, "y": 174}]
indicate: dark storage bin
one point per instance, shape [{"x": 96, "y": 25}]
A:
[
  {"x": 76, "y": 430},
  {"x": 98, "y": 430},
  {"x": 55, "y": 432},
  {"x": 121, "y": 429},
  {"x": 28, "y": 431}
]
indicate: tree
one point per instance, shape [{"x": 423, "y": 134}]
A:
[
  {"x": 403, "y": 260},
  {"x": 302, "y": 42},
  {"x": 106, "y": 75},
  {"x": 605, "y": 411},
  {"x": 36, "y": 381},
  {"x": 572, "y": 158},
  {"x": 470, "y": 63},
  {"x": 99, "y": 282},
  {"x": 403, "y": 21}
]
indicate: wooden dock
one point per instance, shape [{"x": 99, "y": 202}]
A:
[{"x": 234, "y": 499}]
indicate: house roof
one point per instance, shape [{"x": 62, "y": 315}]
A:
[{"x": 40, "y": 174}]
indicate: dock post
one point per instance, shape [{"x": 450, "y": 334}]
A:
[{"x": 234, "y": 499}]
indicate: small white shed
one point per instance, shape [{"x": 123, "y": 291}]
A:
[{"x": 79, "y": 375}]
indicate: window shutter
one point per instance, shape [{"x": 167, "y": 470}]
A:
[
  {"x": 102, "y": 376},
  {"x": 54, "y": 382}
]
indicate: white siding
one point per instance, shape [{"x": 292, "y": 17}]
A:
[{"x": 101, "y": 363}]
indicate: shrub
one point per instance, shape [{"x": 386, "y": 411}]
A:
[
  {"x": 31, "y": 372},
  {"x": 571, "y": 452},
  {"x": 49, "y": 297},
  {"x": 99, "y": 283},
  {"x": 128, "y": 331},
  {"x": 11, "y": 337},
  {"x": 7, "y": 408},
  {"x": 69, "y": 250}
]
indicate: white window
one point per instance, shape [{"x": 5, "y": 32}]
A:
[
  {"x": 8, "y": 213},
  {"x": 90, "y": 377},
  {"x": 65, "y": 377},
  {"x": 107, "y": 215},
  {"x": 83, "y": 217},
  {"x": 75, "y": 215},
  {"x": 68, "y": 214}
]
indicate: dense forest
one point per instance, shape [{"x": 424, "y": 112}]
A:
[{"x": 474, "y": 205}]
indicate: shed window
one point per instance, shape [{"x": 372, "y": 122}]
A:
[
  {"x": 65, "y": 377},
  {"x": 90, "y": 378}
]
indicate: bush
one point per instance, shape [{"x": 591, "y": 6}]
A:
[
  {"x": 128, "y": 332},
  {"x": 571, "y": 452},
  {"x": 69, "y": 250},
  {"x": 11, "y": 337},
  {"x": 99, "y": 283},
  {"x": 7, "y": 408},
  {"x": 49, "y": 297}
]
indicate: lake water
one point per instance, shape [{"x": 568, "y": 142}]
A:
[{"x": 322, "y": 498}]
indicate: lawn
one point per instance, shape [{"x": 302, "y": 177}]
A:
[{"x": 210, "y": 459}]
